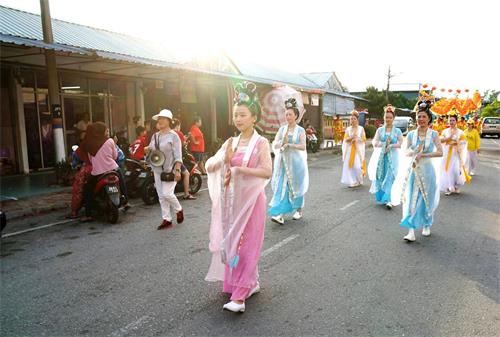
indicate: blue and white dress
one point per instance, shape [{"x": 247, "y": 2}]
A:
[
  {"x": 420, "y": 194},
  {"x": 290, "y": 180},
  {"x": 384, "y": 163}
]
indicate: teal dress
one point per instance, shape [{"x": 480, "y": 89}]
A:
[
  {"x": 387, "y": 167},
  {"x": 421, "y": 194},
  {"x": 283, "y": 202}
]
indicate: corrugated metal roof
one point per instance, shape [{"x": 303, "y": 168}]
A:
[
  {"x": 320, "y": 79},
  {"x": 20, "y": 41},
  {"x": 28, "y": 25},
  {"x": 272, "y": 74},
  {"x": 23, "y": 28}
]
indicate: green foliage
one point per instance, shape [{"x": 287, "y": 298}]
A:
[
  {"x": 491, "y": 110},
  {"x": 377, "y": 100},
  {"x": 370, "y": 131},
  {"x": 490, "y": 96}
]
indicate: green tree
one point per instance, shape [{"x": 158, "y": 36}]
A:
[
  {"x": 491, "y": 110},
  {"x": 491, "y": 104},
  {"x": 377, "y": 100}
]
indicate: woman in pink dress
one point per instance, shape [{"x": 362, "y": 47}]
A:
[{"x": 237, "y": 176}]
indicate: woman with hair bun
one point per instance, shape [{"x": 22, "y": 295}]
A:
[
  {"x": 384, "y": 163},
  {"x": 291, "y": 176},
  {"x": 419, "y": 188},
  {"x": 237, "y": 176},
  {"x": 453, "y": 172},
  {"x": 353, "y": 153}
]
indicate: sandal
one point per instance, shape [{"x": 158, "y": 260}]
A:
[
  {"x": 189, "y": 197},
  {"x": 72, "y": 216},
  {"x": 87, "y": 219}
]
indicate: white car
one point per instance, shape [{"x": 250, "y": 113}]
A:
[{"x": 405, "y": 124}]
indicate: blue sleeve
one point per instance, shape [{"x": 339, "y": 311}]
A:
[
  {"x": 75, "y": 160},
  {"x": 121, "y": 156}
]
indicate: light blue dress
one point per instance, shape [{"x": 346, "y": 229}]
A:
[
  {"x": 421, "y": 192},
  {"x": 283, "y": 201},
  {"x": 387, "y": 167}
]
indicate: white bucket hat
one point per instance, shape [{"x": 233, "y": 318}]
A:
[{"x": 163, "y": 113}]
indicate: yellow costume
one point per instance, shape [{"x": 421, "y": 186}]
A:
[
  {"x": 473, "y": 139},
  {"x": 338, "y": 130}
]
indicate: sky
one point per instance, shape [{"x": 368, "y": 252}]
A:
[{"x": 447, "y": 44}]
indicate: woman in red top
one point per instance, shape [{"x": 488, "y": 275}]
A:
[{"x": 197, "y": 143}]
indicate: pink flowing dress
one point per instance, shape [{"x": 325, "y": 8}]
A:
[
  {"x": 244, "y": 277},
  {"x": 238, "y": 220}
]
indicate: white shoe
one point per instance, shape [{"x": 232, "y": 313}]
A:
[
  {"x": 234, "y": 307},
  {"x": 297, "y": 215},
  {"x": 448, "y": 192},
  {"x": 278, "y": 219},
  {"x": 254, "y": 291},
  {"x": 457, "y": 190},
  {"x": 410, "y": 237},
  {"x": 426, "y": 231},
  {"x": 388, "y": 205},
  {"x": 472, "y": 174}
]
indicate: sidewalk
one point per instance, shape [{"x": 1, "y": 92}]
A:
[{"x": 34, "y": 194}]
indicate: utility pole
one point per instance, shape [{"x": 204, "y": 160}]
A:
[
  {"x": 389, "y": 76},
  {"x": 55, "y": 102}
]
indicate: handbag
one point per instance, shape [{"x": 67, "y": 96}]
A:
[{"x": 170, "y": 176}]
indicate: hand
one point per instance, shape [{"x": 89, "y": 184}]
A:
[
  {"x": 227, "y": 178},
  {"x": 229, "y": 151},
  {"x": 177, "y": 176}
]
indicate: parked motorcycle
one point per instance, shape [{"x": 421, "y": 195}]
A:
[
  {"x": 312, "y": 143},
  {"x": 140, "y": 180},
  {"x": 107, "y": 196}
]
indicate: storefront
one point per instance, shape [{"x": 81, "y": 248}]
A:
[{"x": 26, "y": 118}]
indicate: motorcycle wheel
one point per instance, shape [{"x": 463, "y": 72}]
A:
[
  {"x": 195, "y": 183},
  {"x": 112, "y": 213},
  {"x": 149, "y": 195}
]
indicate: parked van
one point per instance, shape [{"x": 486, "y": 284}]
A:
[{"x": 403, "y": 123}]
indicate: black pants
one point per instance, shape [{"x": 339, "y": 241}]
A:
[{"x": 88, "y": 192}]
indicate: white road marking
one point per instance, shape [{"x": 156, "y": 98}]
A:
[
  {"x": 349, "y": 205},
  {"x": 279, "y": 245},
  {"x": 39, "y": 227},
  {"x": 132, "y": 326}
]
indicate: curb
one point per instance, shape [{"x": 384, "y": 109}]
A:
[{"x": 17, "y": 214}]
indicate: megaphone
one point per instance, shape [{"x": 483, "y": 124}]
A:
[{"x": 156, "y": 158}]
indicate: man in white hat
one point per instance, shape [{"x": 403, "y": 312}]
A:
[{"x": 168, "y": 142}]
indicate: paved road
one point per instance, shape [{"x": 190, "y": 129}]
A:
[{"x": 343, "y": 270}]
